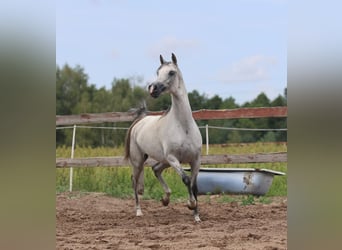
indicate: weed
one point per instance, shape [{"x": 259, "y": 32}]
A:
[
  {"x": 227, "y": 199},
  {"x": 265, "y": 200},
  {"x": 249, "y": 200}
]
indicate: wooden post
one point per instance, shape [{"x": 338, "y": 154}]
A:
[
  {"x": 72, "y": 157},
  {"x": 207, "y": 137}
]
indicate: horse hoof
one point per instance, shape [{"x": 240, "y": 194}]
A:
[
  {"x": 197, "y": 218},
  {"x": 165, "y": 202},
  {"x": 139, "y": 213},
  {"x": 192, "y": 205}
]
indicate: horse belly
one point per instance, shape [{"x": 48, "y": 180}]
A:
[{"x": 185, "y": 151}]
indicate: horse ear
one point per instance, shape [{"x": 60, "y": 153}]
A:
[
  {"x": 162, "y": 61},
  {"x": 174, "y": 59}
]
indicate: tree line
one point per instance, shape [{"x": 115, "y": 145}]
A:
[{"x": 75, "y": 95}]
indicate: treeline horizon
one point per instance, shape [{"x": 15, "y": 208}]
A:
[{"x": 75, "y": 95}]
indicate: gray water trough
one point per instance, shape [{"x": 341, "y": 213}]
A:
[{"x": 235, "y": 180}]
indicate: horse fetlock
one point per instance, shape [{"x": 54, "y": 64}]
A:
[
  {"x": 140, "y": 190},
  {"x": 186, "y": 179},
  {"x": 156, "y": 170},
  {"x": 192, "y": 204}
]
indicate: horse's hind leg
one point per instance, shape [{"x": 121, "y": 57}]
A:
[
  {"x": 138, "y": 181},
  {"x": 195, "y": 166},
  {"x": 158, "y": 169}
]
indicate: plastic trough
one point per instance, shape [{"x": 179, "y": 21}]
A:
[{"x": 235, "y": 180}]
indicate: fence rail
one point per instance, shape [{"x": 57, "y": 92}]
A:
[
  {"x": 203, "y": 114},
  {"x": 119, "y": 161}
]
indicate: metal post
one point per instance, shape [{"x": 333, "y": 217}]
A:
[
  {"x": 207, "y": 137},
  {"x": 72, "y": 157}
]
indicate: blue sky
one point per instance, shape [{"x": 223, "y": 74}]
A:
[{"x": 229, "y": 48}]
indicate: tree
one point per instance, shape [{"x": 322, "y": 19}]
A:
[
  {"x": 214, "y": 103},
  {"x": 196, "y": 100},
  {"x": 278, "y": 101},
  {"x": 261, "y": 101},
  {"x": 71, "y": 87},
  {"x": 163, "y": 102},
  {"x": 71, "y": 83},
  {"x": 229, "y": 103}
]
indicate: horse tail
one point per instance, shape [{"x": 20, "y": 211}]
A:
[
  {"x": 128, "y": 139},
  {"x": 127, "y": 144},
  {"x": 139, "y": 114}
]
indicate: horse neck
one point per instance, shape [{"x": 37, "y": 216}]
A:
[{"x": 180, "y": 107}]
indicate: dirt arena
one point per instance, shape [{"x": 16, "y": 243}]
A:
[{"x": 97, "y": 221}]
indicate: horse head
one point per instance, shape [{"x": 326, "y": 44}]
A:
[{"x": 168, "y": 75}]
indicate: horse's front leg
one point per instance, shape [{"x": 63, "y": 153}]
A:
[
  {"x": 158, "y": 168},
  {"x": 189, "y": 182}
]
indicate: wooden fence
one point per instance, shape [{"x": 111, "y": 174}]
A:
[
  {"x": 198, "y": 115},
  {"x": 205, "y": 160},
  {"x": 203, "y": 114}
]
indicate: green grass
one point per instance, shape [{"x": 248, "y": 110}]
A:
[
  {"x": 116, "y": 181},
  {"x": 244, "y": 200}
]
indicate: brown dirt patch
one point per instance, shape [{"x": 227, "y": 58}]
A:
[{"x": 97, "y": 221}]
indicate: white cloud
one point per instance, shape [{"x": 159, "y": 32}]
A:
[
  {"x": 167, "y": 45},
  {"x": 249, "y": 69}
]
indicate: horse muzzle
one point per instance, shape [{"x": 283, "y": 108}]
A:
[{"x": 155, "y": 89}]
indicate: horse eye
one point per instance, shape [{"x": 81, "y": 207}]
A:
[{"x": 172, "y": 72}]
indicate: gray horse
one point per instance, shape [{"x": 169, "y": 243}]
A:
[{"x": 170, "y": 139}]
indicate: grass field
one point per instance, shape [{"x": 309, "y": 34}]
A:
[{"x": 116, "y": 181}]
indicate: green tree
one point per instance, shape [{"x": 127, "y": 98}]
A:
[
  {"x": 214, "y": 103},
  {"x": 261, "y": 101},
  {"x": 71, "y": 87},
  {"x": 234, "y": 137},
  {"x": 102, "y": 101},
  {"x": 278, "y": 101},
  {"x": 196, "y": 100},
  {"x": 163, "y": 102},
  {"x": 269, "y": 137},
  {"x": 71, "y": 83},
  {"x": 229, "y": 103}
]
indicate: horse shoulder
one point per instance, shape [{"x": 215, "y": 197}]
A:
[{"x": 145, "y": 134}]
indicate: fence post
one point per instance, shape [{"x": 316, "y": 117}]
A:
[
  {"x": 72, "y": 157},
  {"x": 207, "y": 137}
]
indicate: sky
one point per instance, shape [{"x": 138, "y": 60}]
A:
[{"x": 228, "y": 48}]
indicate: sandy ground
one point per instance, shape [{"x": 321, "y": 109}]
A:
[{"x": 97, "y": 221}]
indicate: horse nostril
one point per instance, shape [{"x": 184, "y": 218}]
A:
[{"x": 150, "y": 88}]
